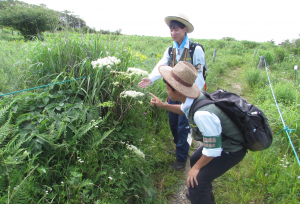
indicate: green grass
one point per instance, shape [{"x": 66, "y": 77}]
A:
[{"x": 45, "y": 134}]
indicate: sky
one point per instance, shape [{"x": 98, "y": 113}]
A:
[{"x": 256, "y": 20}]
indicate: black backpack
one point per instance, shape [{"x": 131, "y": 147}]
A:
[
  {"x": 250, "y": 119},
  {"x": 192, "y": 50}
]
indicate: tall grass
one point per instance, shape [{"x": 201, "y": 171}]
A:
[{"x": 69, "y": 142}]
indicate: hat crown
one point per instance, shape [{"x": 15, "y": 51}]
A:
[
  {"x": 185, "y": 71},
  {"x": 181, "y": 18}
]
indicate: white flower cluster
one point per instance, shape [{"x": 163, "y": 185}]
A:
[
  {"x": 107, "y": 61},
  {"x": 79, "y": 160},
  {"x": 137, "y": 71},
  {"x": 132, "y": 94},
  {"x": 285, "y": 163},
  {"x": 135, "y": 150}
]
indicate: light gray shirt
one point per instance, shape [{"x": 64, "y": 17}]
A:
[{"x": 198, "y": 58}]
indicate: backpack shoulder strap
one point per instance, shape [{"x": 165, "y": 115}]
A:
[
  {"x": 203, "y": 100},
  {"x": 170, "y": 50},
  {"x": 192, "y": 48}
]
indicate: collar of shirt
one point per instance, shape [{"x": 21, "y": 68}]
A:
[
  {"x": 185, "y": 107},
  {"x": 184, "y": 44}
]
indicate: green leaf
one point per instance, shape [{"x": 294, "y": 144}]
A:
[
  {"x": 40, "y": 104},
  {"x": 50, "y": 106},
  {"x": 46, "y": 100},
  {"x": 15, "y": 108}
]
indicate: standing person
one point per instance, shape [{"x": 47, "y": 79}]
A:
[
  {"x": 180, "y": 51},
  {"x": 218, "y": 154}
]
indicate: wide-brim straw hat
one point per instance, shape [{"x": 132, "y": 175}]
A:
[
  {"x": 182, "y": 78},
  {"x": 181, "y": 18}
]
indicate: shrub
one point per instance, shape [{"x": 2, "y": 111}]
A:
[
  {"x": 255, "y": 77},
  {"x": 280, "y": 53},
  {"x": 285, "y": 92},
  {"x": 30, "y": 21}
]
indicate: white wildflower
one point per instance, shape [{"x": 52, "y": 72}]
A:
[
  {"x": 107, "y": 61},
  {"x": 110, "y": 178},
  {"x": 115, "y": 83},
  {"x": 137, "y": 71},
  {"x": 135, "y": 150},
  {"x": 132, "y": 94}
]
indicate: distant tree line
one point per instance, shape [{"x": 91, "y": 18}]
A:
[{"x": 32, "y": 20}]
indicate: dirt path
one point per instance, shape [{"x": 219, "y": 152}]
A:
[{"x": 231, "y": 83}]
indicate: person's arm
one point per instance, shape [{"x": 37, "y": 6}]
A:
[
  {"x": 155, "y": 75},
  {"x": 192, "y": 175},
  {"x": 175, "y": 108}
]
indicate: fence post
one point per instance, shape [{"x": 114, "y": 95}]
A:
[
  {"x": 295, "y": 68},
  {"x": 12, "y": 32},
  {"x": 255, "y": 52},
  {"x": 215, "y": 54},
  {"x": 261, "y": 62}
]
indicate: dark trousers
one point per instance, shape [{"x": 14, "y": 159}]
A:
[
  {"x": 202, "y": 194},
  {"x": 180, "y": 129}
]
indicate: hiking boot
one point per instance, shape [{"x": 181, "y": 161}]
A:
[
  {"x": 177, "y": 165},
  {"x": 172, "y": 152},
  {"x": 213, "y": 201}
]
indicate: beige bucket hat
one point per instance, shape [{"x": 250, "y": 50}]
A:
[
  {"x": 181, "y": 18},
  {"x": 182, "y": 78}
]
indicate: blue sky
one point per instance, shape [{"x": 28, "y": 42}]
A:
[{"x": 256, "y": 20}]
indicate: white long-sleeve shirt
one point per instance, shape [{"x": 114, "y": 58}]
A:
[
  {"x": 198, "y": 58},
  {"x": 208, "y": 124}
]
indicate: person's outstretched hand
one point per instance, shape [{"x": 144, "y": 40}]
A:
[
  {"x": 155, "y": 101},
  {"x": 144, "y": 83}
]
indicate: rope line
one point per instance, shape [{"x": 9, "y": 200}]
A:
[
  {"x": 286, "y": 128},
  {"x": 41, "y": 86}
]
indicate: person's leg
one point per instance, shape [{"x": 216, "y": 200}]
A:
[
  {"x": 173, "y": 122},
  {"x": 182, "y": 146},
  {"x": 202, "y": 193}
]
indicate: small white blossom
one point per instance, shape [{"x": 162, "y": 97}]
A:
[
  {"x": 137, "y": 71},
  {"x": 135, "y": 150},
  {"x": 115, "y": 83},
  {"x": 110, "y": 178},
  {"x": 132, "y": 94},
  {"x": 107, "y": 61}
]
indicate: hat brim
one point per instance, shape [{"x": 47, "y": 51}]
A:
[
  {"x": 190, "y": 27},
  {"x": 190, "y": 92}
]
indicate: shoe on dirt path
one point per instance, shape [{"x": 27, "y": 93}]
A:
[{"x": 177, "y": 165}]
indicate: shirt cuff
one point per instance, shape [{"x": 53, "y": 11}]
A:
[{"x": 212, "y": 152}]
